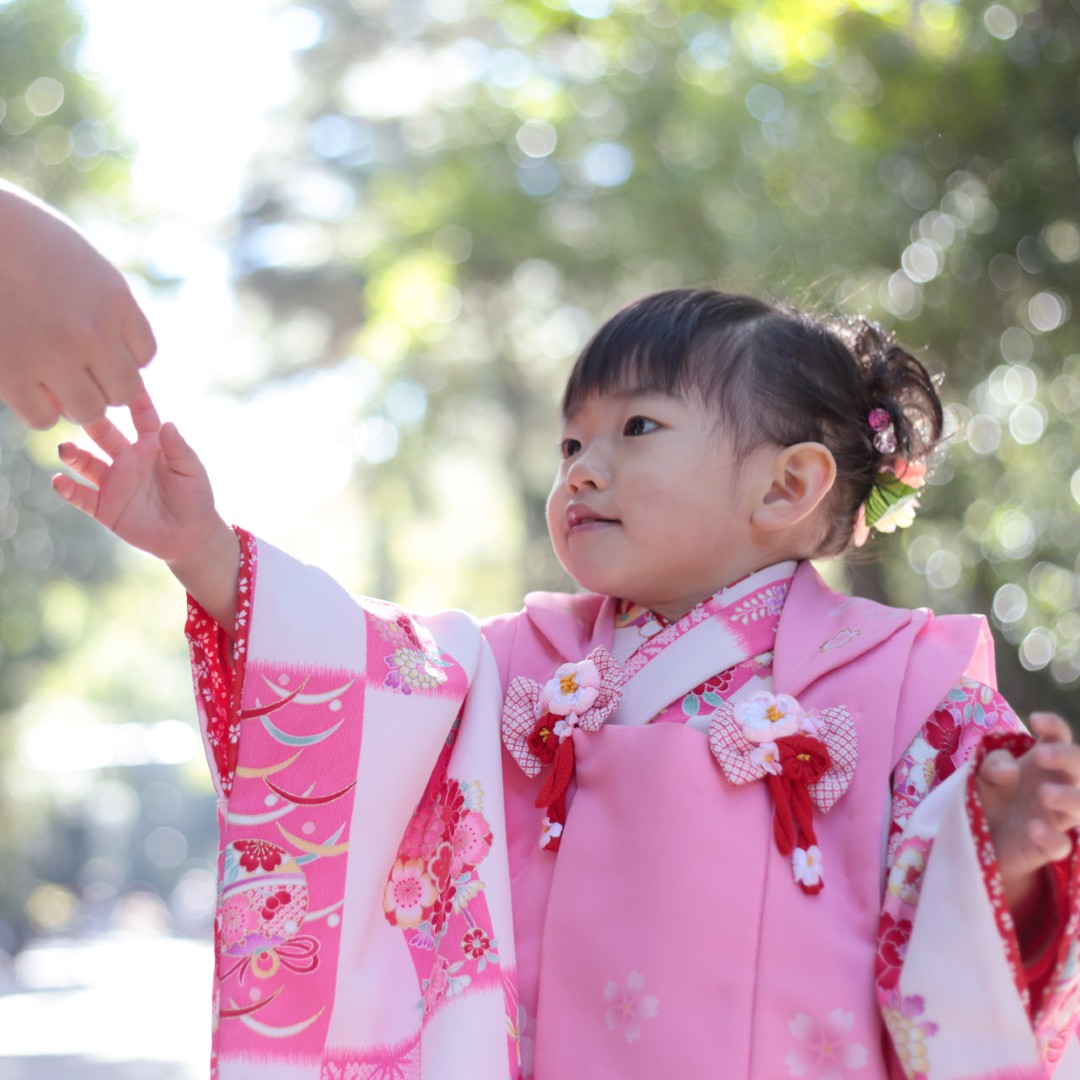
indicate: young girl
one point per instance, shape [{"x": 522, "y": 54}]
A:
[{"x": 742, "y": 826}]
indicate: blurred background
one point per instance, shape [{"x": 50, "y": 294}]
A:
[{"x": 372, "y": 235}]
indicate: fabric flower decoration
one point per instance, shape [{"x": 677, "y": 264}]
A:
[
  {"x": 807, "y": 765},
  {"x": 572, "y": 690},
  {"x": 766, "y": 717},
  {"x": 539, "y": 720},
  {"x": 893, "y": 500}
]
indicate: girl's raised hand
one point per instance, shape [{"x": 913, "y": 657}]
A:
[
  {"x": 153, "y": 493},
  {"x": 1032, "y": 803}
]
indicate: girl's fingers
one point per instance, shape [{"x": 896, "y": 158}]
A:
[
  {"x": 108, "y": 436},
  {"x": 1000, "y": 769},
  {"x": 178, "y": 453},
  {"x": 83, "y": 463},
  {"x": 1059, "y": 757},
  {"x": 1051, "y": 843},
  {"x": 78, "y": 495},
  {"x": 1063, "y": 803},
  {"x": 1050, "y": 727},
  {"x": 144, "y": 415}
]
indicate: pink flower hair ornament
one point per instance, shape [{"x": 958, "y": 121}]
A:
[{"x": 893, "y": 500}]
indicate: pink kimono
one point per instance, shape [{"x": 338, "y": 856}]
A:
[{"x": 634, "y": 890}]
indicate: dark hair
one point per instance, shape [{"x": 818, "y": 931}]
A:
[{"x": 775, "y": 375}]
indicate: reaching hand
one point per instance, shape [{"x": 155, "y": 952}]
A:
[
  {"x": 153, "y": 494},
  {"x": 1032, "y": 803},
  {"x": 72, "y": 337}
]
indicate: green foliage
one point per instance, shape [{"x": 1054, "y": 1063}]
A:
[{"x": 464, "y": 188}]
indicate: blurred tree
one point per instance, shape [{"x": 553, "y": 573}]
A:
[
  {"x": 464, "y": 188},
  {"x": 58, "y": 139}
]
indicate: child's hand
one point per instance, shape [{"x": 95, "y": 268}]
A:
[
  {"x": 1032, "y": 803},
  {"x": 155, "y": 494}
]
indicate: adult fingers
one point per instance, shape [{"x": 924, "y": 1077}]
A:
[
  {"x": 83, "y": 401},
  {"x": 83, "y": 463},
  {"x": 139, "y": 336},
  {"x": 78, "y": 495},
  {"x": 33, "y": 405}
]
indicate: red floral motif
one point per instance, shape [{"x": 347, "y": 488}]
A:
[
  {"x": 943, "y": 734},
  {"x": 893, "y": 937},
  {"x": 446, "y": 840},
  {"x": 475, "y": 943},
  {"x": 803, "y": 759},
  {"x": 258, "y": 853}
]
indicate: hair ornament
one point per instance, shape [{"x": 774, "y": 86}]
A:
[
  {"x": 884, "y": 433},
  {"x": 893, "y": 499}
]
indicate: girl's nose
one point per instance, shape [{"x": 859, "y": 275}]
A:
[{"x": 587, "y": 470}]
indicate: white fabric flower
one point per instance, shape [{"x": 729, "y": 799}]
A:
[
  {"x": 807, "y": 865},
  {"x": 572, "y": 690},
  {"x": 767, "y": 756},
  {"x": 766, "y": 717}
]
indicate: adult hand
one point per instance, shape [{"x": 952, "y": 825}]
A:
[{"x": 72, "y": 337}]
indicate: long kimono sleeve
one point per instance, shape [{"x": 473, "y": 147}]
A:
[
  {"x": 363, "y": 923},
  {"x": 959, "y": 997}
]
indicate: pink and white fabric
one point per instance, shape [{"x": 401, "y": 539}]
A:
[{"x": 375, "y": 838}]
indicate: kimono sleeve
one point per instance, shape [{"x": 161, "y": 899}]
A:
[{"x": 957, "y": 995}]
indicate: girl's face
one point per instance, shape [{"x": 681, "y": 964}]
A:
[{"x": 651, "y": 503}]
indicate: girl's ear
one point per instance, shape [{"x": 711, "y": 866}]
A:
[{"x": 802, "y": 475}]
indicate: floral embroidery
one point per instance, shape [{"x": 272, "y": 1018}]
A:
[
  {"x": 807, "y": 759},
  {"x": 909, "y": 1034},
  {"x": 628, "y": 1006},
  {"x": 825, "y": 1051}
]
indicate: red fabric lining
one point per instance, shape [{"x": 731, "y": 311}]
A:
[{"x": 217, "y": 660}]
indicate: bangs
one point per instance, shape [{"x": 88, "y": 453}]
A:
[
  {"x": 644, "y": 348},
  {"x": 682, "y": 342}
]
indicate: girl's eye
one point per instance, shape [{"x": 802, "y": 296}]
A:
[
  {"x": 639, "y": 425},
  {"x": 569, "y": 447}
]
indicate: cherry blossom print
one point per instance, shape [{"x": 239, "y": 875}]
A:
[
  {"x": 627, "y": 1006},
  {"x": 807, "y": 866},
  {"x": 259, "y": 854},
  {"x": 408, "y": 892},
  {"x": 766, "y": 717},
  {"x": 471, "y": 842},
  {"x": 475, "y": 943},
  {"x": 825, "y": 1050}
]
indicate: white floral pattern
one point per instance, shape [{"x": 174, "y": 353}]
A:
[
  {"x": 627, "y": 1006},
  {"x": 824, "y": 1051}
]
